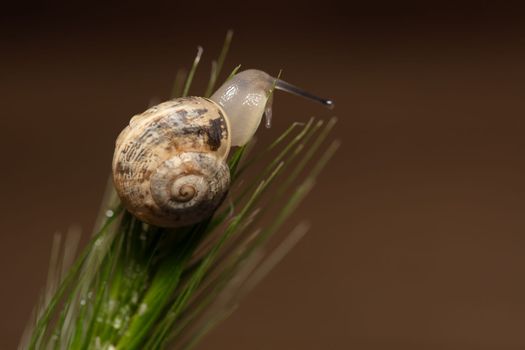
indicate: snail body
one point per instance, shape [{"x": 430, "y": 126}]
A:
[{"x": 169, "y": 166}]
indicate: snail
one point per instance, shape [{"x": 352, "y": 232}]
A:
[{"x": 169, "y": 166}]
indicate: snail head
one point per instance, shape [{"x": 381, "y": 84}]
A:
[{"x": 247, "y": 96}]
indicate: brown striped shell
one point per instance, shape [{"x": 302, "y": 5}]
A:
[{"x": 169, "y": 165}]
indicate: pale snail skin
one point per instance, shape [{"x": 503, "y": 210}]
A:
[
  {"x": 169, "y": 166},
  {"x": 245, "y": 100}
]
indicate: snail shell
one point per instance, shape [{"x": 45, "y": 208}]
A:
[{"x": 169, "y": 164}]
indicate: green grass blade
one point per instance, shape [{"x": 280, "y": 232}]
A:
[
  {"x": 192, "y": 72},
  {"x": 178, "y": 84},
  {"x": 234, "y": 71},
  {"x": 215, "y": 72},
  {"x": 44, "y": 319},
  {"x": 136, "y": 286}
]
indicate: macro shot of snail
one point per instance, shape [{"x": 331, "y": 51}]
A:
[
  {"x": 169, "y": 167},
  {"x": 180, "y": 239},
  {"x": 243, "y": 175}
]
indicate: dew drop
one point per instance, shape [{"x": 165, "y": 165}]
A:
[
  {"x": 112, "y": 305},
  {"x": 268, "y": 112},
  {"x": 135, "y": 298},
  {"x": 143, "y": 308},
  {"x": 109, "y": 213},
  {"x": 98, "y": 242},
  {"x": 268, "y": 117},
  {"x": 117, "y": 323}
]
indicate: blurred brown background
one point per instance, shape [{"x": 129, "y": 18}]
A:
[{"x": 418, "y": 230}]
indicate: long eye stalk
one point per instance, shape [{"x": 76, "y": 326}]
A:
[{"x": 284, "y": 86}]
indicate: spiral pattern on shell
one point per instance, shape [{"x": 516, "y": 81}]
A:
[
  {"x": 189, "y": 186},
  {"x": 169, "y": 165}
]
